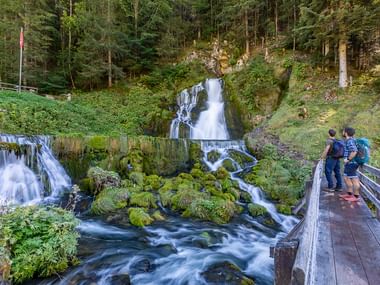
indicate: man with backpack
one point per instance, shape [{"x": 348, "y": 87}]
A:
[
  {"x": 355, "y": 154},
  {"x": 333, "y": 152}
]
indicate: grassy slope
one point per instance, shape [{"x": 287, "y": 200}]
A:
[
  {"x": 133, "y": 108},
  {"x": 358, "y": 106}
]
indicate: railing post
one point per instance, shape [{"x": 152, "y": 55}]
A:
[{"x": 284, "y": 254}]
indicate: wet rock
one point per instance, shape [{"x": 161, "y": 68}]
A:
[
  {"x": 120, "y": 279},
  {"x": 142, "y": 266},
  {"x": 225, "y": 273},
  {"x": 229, "y": 165},
  {"x": 213, "y": 156}
]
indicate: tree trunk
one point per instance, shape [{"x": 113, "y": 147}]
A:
[
  {"x": 109, "y": 44},
  {"x": 342, "y": 63},
  {"x": 276, "y": 17},
  {"x": 246, "y": 31}
]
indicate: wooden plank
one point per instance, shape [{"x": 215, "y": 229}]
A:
[
  {"x": 325, "y": 263},
  {"x": 349, "y": 269},
  {"x": 374, "y": 226},
  {"x": 368, "y": 248},
  {"x": 373, "y": 170}
]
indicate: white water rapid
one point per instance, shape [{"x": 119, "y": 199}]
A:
[
  {"x": 211, "y": 124},
  {"x": 29, "y": 178}
]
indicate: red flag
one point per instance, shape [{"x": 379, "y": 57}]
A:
[{"x": 22, "y": 39}]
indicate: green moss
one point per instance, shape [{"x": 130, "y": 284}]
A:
[
  {"x": 110, "y": 200},
  {"x": 102, "y": 178},
  {"x": 158, "y": 216},
  {"x": 213, "y": 156},
  {"x": 197, "y": 173},
  {"x": 229, "y": 165},
  {"x": 215, "y": 210},
  {"x": 166, "y": 196},
  {"x": 98, "y": 143},
  {"x": 154, "y": 181},
  {"x": 139, "y": 217},
  {"x": 235, "y": 192},
  {"x": 186, "y": 176},
  {"x": 222, "y": 173},
  {"x": 137, "y": 178},
  {"x": 182, "y": 199},
  {"x": 143, "y": 199},
  {"x": 284, "y": 209},
  {"x": 246, "y": 197},
  {"x": 256, "y": 210}
]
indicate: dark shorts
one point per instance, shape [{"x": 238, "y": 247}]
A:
[{"x": 350, "y": 170}]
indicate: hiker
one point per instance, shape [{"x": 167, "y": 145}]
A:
[
  {"x": 333, "y": 152},
  {"x": 351, "y": 178}
]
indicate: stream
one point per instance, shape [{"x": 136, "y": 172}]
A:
[{"x": 175, "y": 251}]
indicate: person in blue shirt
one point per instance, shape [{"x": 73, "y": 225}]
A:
[{"x": 351, "y": 177}]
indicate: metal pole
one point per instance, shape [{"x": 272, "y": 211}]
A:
[{"x": 21, "y": 49}]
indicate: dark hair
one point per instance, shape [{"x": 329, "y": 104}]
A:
[
  {"x": 349, "y": 131},
  {"x": 332, "y": 132}
]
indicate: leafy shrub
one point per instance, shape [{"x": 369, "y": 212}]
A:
[
  {"x": 256, "y": 210},
  {"x": 103, "y": 178},
  {"x": 40, "y": 241}
]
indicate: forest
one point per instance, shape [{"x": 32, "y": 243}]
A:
[{"x": 89, "y": 44}]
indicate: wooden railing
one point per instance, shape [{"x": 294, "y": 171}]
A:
[
  {"x": 370, "y": 188},
  {"x": 15, "y": 87},
  {"x": 295, "y": 255}
]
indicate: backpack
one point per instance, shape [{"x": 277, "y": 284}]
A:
[
  {"x": 363, "y": 155},
  {"x": 337, "y": 150}
]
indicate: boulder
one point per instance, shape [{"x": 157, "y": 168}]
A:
[
  {"x": 226, "y": 273},
  {"x": 119, "y": 279}
]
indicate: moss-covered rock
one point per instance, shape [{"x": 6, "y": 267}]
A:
[
  {"x": 137, "y": 178},
  {"x": 139, "y": 217},
  {"x": 102, "y": 178},
  {"x": 235, "y": 192},
  {"x": 154, "y": 181},
  {"x": 213, "y": 156},
  {"x": 143, "y": 199},
  {"x": 245, "y": 197},
  {"x": 256, "y": 210},
  {"x": 228, "y": 164},
  {"x": 222, "y": 173},
  {"x": 197, "y": 173},
  {"x": 182, "y": 199},
  {"x": 241, "y": 158},
  {"x": 109, "y": 200},
  {"x": 214, "y": 209},
  {"x": 284, "y": 209},
  {"x": 157, "y": 216},
  {"x": 226, "y": 273},
  {"x": 166, "y": 196}
]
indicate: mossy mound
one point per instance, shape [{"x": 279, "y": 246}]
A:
[
  {"x": 222, "y": 173},
  {"x": 102, "y": 178},
  {"x": 154, "y": 181},
  {"x": 229, "y": 165},
  {"x": 139, "y": 217},
  {"x": 213, "y": 156},
  {"x": 137, "y": 178},
  {"x": 157, "y": 216},
  {"x": 109, "y": 200},
  {"x": 215, "y": 210},
  {"x": 256, "y": 210},
  {"x": 183, "y": 199},
  {"x": 241, "y": 158},
  {"x": 143, "y": 199}
]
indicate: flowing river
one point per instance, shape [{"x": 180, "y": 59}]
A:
[{"x": 175, "y": 251}]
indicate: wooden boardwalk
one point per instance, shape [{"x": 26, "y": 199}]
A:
[
  {"x": 337, "y": 242},
  {"x": 348, "y": 245}
]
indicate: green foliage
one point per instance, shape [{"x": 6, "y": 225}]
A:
[
  {"x": 143, "y": 199},
  {"x": 256, "y": 210},
  {"x": 40, "y": 241},
  {"x": 183, "y": 198},
  {"x": 137, "y": 178},
  {"x": 109, "y": 200},
  {"x": 154, "y": 181},
  {"x": 139, "y": 217}
]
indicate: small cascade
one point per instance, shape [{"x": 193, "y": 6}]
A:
[
  {"x": 211, "y": 124},
  {"x": 28, "y": 178},
  {"x": 224, "y": 148}
]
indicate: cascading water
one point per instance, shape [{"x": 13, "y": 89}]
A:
[
  {"x": 26, "y": 179},
  {"x": 211, "y": 124}
]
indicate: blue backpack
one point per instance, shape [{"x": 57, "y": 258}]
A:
[
  {"x": 363, "y": 155},
  {"x": 337, "y": 150}
]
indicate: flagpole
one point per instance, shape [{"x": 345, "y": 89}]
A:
[{"x": 21, "y": 50}]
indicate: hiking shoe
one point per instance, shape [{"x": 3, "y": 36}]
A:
[
  {"x": 344, "y": 196},
  {"x": 328, "y": 190},
  {"x": 352, "y": 199},
  {"x": 338, "y": 189}
]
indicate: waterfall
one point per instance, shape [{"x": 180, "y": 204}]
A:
[
  {"x": 28, "y": 178},
  {"x": 211, "y": 124}
]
